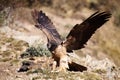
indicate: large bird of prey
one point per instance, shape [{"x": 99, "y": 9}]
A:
[{"x": 75, "y": 40}]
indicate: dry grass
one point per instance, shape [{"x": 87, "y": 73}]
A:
[
  {"x": 10, "y": 48},
  {"x": 68, "y": 76}
]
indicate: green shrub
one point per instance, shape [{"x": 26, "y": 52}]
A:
[{"x": 35, "y": 51}]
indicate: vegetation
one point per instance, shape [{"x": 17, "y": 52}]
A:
[
  {"x": 10, "y": 48},
  {"x": 38, "y": 51},
  {"x": 68, "y": 76}
]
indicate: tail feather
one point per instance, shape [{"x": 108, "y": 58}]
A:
[{"x": 76, "y": 67}]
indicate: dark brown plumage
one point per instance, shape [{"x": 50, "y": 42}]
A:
[
  {"x": 45, "y": 24},
  {"x": 81, "y": 33},
  {"x": 75, "y": 40}
]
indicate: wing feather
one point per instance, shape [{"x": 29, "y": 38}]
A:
[
  {"x": 81, "y": 33},
  {"x": 47, "y": 27}
]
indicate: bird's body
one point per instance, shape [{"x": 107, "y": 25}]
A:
[{"x": 75, "y": 40}]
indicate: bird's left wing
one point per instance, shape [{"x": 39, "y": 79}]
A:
[{"x": 47, "y": 27}]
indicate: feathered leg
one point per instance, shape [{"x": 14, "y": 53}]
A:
[
  {"x": 63, "y": 64},
  {"x": 54, "y": 66}
]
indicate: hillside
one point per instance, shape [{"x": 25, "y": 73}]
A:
[{"x": 18, "y": 34}]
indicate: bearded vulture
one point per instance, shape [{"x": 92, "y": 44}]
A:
[{"x": 75, "y": 40}]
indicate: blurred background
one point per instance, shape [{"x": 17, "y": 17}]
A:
[{"x": 17, "y": 31}]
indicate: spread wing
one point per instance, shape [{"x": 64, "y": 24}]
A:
[
  {"x": 81, "y": 33},
  {"x": 47, "y": 27}
]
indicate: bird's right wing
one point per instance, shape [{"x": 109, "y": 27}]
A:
[{"x": 81, "y": 33}]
